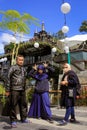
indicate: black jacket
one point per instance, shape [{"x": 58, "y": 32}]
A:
[
  {"x": 16, "y": 78},
  {"x": 73, "y": 83}
]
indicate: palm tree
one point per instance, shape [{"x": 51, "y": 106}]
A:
[{"x": 12, "y": 20}]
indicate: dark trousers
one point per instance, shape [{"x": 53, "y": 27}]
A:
[
  {"x": 18, "y": 98},
  {"x": 69, "y": 111}
]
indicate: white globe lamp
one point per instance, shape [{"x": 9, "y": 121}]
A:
[
  {"x": 36, "y": 44},
  {"x": 54, "y": 49},
  {"x": 65, "y": 29},
  {"x": 5, "y": 59},
  {"x": 66, "y": 48},
  {"x": 65, "y": 8}
]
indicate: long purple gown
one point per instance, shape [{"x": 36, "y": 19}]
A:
[{"x": 40, "y": 105}]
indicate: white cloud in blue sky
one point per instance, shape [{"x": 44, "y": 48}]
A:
[{"x": 6, "y": 38}]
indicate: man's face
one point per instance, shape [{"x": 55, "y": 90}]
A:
[{"x": 20, "y": 60}]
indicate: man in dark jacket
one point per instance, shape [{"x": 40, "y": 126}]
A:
[
  {"x": 69, "y": 85},
  {"x": 16, "y": 88}
]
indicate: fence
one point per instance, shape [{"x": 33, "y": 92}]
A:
[{"x": 80, "y": 100}]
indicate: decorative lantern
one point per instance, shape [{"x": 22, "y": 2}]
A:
[
  {"x": 65, "y": 29},
  {"x": 36, "y": 44},
  {"x": 65, "y": 8},
  {"x": 66, "y": 48},
  {"x": 54, "y": 49}
]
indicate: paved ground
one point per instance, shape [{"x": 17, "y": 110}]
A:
[{"x": 39, "y": 124}]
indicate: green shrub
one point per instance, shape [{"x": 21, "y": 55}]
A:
[
  {"x": 2, "y": 94},
  {"x": 29, "y": 94}
]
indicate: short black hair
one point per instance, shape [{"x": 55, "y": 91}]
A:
[{"x": 19, "y": 56}]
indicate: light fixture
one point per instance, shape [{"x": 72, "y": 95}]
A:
[
  {"x": 65, "y": 29},
  {"x": 65, "y": 8},
  {"x": 3, "y": 59},
  {"x": 66, "y": 48},
  {"x": 36, "y": 44},
  {"x": 54, "y": 49}
]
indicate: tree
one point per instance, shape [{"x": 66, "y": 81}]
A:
[
  {"x": 83, "y": 27},
  {"x": 60, "y": 34},
  {"x": 12, "y": 20}
]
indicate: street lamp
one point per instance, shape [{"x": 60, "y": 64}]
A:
[
  {"x": 53, "y": 50},
  {"x": 66, "y": 48},
  {"x": 65, "y": 8}
]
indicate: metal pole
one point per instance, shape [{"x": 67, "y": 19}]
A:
[{"x": 68, "y": 57}]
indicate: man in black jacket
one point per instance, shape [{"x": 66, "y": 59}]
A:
[{"x": 16, "y": 87}]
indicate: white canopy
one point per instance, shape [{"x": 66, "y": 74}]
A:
[{"x": 77, "y": 39}]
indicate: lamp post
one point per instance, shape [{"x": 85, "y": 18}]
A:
[
  {"x": 65, "y": 8},
  {"x": 66, "y": 48}
]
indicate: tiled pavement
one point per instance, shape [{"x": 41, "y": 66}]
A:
[{"x": 39, "y": 124}]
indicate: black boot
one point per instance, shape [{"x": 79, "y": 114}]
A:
[{"x": 72, "y": 118}]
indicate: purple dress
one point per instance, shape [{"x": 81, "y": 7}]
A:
[{"x": 40, "y": 105}]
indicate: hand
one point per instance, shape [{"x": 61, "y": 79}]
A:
[
  {"x": 64, "y": 83},
  {"x": 45, "y": 64},
  {"x": 7, "y": 93},
  {"x": 35, "y": 67}
]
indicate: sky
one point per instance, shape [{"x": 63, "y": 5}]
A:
[{"x": 49, "y": 12}]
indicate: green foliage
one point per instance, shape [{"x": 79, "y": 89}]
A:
[
  {"x": 14, "y": 21},
  {"x": 2, "y": 94},
  {"x": 2, "y": 89},
  {"x": 29, "y": 94},
  {"x": 83, "y": 27},
  {"x": 60, "y": 34},
  {"x": 9, "y": 48}
]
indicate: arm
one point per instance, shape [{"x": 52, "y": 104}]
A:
[
  {"x": 72, "y": 81},
  {"x": 51, "y": 69},
  {"x": 32, "y": 73},
  {"x": 11, "y": 70}
]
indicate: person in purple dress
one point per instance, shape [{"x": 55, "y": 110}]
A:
[{"x": 40, "y": 105}]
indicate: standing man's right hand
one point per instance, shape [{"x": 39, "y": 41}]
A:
[{"x": 7, "y": 93}]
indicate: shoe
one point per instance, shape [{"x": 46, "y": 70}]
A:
[
  {"x": 73, "y": 121},
  {"x": 63, "y": 122},
  {"x": 50, "y": 120},
  {"x": 13, "y": 125},
  {"x": 25, "y": 121}
]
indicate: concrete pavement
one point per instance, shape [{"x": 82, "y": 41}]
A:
[{"x": 39, "y": 124}]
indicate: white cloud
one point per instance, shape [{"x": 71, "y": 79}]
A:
[
  {"x": 1, "y": 48},
  {"x": 6, "y": 38}
]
